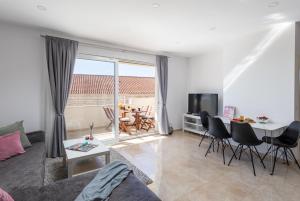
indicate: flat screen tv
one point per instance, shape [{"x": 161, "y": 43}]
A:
[{"x": 203, "y": 102}]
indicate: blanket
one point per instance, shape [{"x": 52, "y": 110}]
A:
[{"x": 107, "y": 179}]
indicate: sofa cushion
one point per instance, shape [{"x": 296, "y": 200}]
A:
[
  {"x": 4, "y": 196},
  {"x": 24, "y": 170},
  {"x": 17, "y": 126},
  {"x": 131, "y": 189},
  {"x": 10, "y": 145}
]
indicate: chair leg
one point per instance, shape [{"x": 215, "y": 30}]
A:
[
  {"x": 218, "y": 146},
  {"x": 252, "y": 160},
  {"x": 203, "y": 136},
  {"x": 286, "y": 157},
  {"x": 209, "y": 147},
  {"x": 262, "y": 162},
  {"x": 223, "y": 148},
  {"x": 241, "y": 152},
  {"x": 294, "y": 158},
  {"x": 274, "y": 162},
  {"x": 234, "y": 154},
  {"x": 231, "y": 149},
  {"x": 263, "y": 158}
]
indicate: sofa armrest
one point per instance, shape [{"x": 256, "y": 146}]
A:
[{"x": 36, "y": 136}]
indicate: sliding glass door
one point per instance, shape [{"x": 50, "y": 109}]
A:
[
  {"x": 112, "y": 99},
  {"x": 91, "y": 103},
  {"x": 137, "y": 99}
]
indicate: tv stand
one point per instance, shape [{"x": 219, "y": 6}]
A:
[{"x": 192, "y": 123}]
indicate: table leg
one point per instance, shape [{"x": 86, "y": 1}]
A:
[
  {"x": 107, "y": 158},
  {"x": 272, "y": 151},
  {"x": 70, "y": 168},
  {"x": 64, "y": 161}
]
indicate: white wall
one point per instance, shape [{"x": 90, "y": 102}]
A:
[
  {"x": 177, "y": 90},
  {"x": 21, "y": 85},
  {"x": 205, "y": 75},
  {"x": 257, "y": 73},
  {"x": 297, "y": 69}
]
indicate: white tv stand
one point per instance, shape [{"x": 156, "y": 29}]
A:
[{"x": 192, "y": 123}]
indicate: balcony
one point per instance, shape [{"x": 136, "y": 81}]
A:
[{"x": 82, "y": 110}]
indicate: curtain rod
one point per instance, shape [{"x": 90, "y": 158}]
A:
[{"x": 105, "y": 47}]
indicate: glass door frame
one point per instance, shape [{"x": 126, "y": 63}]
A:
[{"x": 115, "y": 126}]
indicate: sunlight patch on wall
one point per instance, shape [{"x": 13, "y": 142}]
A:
[{"x": 257, "y": 52}]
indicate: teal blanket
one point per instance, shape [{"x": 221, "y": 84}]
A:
[{"x": 108, "y": 178}]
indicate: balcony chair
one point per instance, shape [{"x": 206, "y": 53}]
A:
[
  {"x": 148, "y": 121},
  {"x": 124, "y": 122}
]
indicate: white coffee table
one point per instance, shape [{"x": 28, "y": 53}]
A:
[{"x": 71, "y": 157}]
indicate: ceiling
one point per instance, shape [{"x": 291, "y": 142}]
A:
[{"x": 182, "y": 27}]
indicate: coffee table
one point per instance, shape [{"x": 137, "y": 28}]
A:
[{"x": 71, "y": 157}]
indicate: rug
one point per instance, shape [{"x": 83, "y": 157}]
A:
[{"x": 54, "y": 169}]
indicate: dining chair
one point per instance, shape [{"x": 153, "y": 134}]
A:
[
  {"x": 204, "y": 121},
  {"x": 244, "y": 135},
  {"x": 219, "y": 134},
  {"x": 286, "y": 141}
]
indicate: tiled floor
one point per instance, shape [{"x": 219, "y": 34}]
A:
[{"x": 182, "y": 173}]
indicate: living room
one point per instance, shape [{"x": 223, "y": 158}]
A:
[{"x": 140, "y": 108}]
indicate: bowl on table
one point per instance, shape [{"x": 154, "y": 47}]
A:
[{"x": 262, "y": 119}]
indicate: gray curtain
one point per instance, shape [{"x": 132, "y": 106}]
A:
[
  {"x": 61, "y": 54},
  {"x": 162, "y": 73}
]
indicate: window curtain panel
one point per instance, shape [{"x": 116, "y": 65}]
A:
[
  {"x": 61, "y": 55},
  {"x": 162, "y": 74}
]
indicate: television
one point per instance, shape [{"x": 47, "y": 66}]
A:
[{"x": 203, "y": 102}]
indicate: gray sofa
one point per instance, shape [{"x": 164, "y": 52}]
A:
[
  {"x": 27, "y": 169},
  {"x": 23, "y": 176}
]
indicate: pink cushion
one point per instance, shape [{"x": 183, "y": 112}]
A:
[
  {"x": 4, "y": 196},
  {"x": 10, "y": 145}
]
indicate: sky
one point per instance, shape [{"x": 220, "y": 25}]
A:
[{"x": 93, "y": 67}]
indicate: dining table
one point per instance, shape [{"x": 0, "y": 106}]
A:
[
  {"x": 136, "y": 114},
  {"x": 269, "y": 129}
]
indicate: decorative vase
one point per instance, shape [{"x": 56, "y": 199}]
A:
[{"x": 91, "y": 131}]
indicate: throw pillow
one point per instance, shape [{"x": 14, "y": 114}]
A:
[
  {"x": 15, "y": 127},
  {"x": 10, "y": 145},
  {"x": 4, "y": 196}
]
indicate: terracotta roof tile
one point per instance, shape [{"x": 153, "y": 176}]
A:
[{"x": 103, "y": 84}]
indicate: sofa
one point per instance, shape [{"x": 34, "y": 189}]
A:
[
  {"x": 23, "y": 177},
  {"x": 27, "y": 169}
]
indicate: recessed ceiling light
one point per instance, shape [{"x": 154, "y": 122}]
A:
[
  {"x": 273, "y": 4},
  {"x": 212, "y": 28},
  {"x": 41, "y": 7},
  {"x": 155, "y": 5}
]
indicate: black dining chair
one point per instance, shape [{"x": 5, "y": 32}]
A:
[
  {"x": 287, "y": 140},
  {"x": 204, "y": 121},
  {"x": 220, "y": 134},
  {"x": 244, "y": 135}
]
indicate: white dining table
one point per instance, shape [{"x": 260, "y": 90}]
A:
[{"x": 269, "y": 128}]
